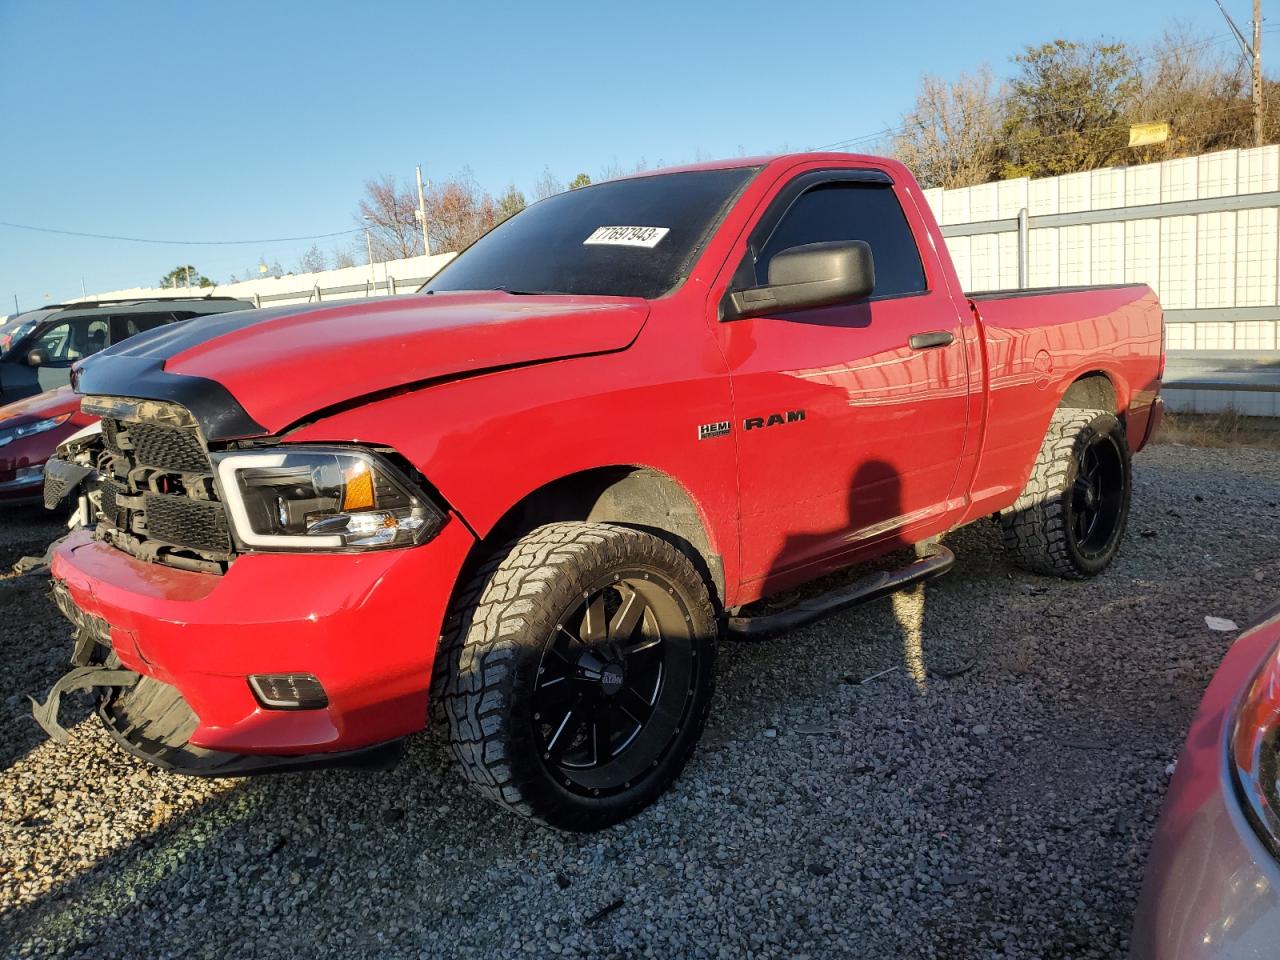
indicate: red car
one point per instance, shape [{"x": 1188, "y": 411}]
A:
[
  {"x": 544, "y": 486},
  {"x": 1212, "y": 886},
  {"x": 30, "y": 431}
]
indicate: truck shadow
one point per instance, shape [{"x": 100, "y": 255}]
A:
[{"x": 875, "y": 492}]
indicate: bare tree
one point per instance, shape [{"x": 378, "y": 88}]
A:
[
  {"x": 548, "y": 185},
  {"x": 459, "y": 212},
  {"x": 342, "y": 259},
  {"x": 611, "y": 171},
  {"x": 951, "y": 137},
  {"x": 387, "y": 211},
  {"x": 264, "y": 268},
  {"x": 313, "y": 261},
  {"x": 1200, "y": 91}
]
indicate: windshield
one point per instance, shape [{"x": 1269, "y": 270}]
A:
[{"x": 626, "y": 238}]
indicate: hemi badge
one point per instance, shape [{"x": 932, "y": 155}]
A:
[{"x": 709, "y": 431}]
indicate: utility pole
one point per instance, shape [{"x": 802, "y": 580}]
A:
[
  {"x": 1258, "y": 106},
  {"x": 422, "y": 215},
  {"x": 1253, "y": 53},
  {"x": 373, "y": 277}
]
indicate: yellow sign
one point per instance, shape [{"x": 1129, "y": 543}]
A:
[{"x": 1145, "y": 134}]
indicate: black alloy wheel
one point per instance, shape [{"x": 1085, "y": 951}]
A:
[
  {"x": 1098, "y": 495},
  {"x": 615, "y": 683},
  {"x": 577, "y": 672}
]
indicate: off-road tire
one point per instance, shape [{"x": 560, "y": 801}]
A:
[
  {"x": 1039, "y": 535},
  {"x": 490, "y": 656}
]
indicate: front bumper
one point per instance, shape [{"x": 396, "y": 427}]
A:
[
  {"x": 366, "y": 625},
  {"x": 1211, "y": 890}
]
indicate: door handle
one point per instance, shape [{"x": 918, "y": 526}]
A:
[{"x": 926, "y": 341}]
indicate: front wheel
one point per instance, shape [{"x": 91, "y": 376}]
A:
[
  {"x": 577, "y": 673},
  {"x": 1071, "y": 516}
]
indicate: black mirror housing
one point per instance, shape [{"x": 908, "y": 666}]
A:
[{"x": 812, "y": 275}]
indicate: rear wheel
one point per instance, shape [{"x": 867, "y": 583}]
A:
[
  {"x": 577, "y": 679},
  {"x": 1071, "y": 516}
]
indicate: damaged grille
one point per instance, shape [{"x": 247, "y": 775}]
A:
[
  {"x": 168, "y": 448},
  {"x": 180, "y": 520},
  {"x": 156, "y": 497},
  {"x": 110, "y": 508}
]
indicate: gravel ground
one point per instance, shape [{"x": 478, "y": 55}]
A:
[{"x": 992, "y": 794}]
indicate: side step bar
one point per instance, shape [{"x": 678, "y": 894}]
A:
[{"x": 934, "y": 560}]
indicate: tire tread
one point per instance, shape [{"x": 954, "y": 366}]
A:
[
  {"x": 508, "y": 605},
  {"x": 1035, "y": 526}
]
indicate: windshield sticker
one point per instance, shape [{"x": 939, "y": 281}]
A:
[{"x": 647, "y": 237}]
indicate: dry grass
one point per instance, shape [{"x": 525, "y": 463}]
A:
[{"x": 1229, "y": 429}]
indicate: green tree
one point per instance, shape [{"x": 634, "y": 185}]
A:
[
  {"x": 510, "y": 203},
  {"x": 581, "y": 180},
  {"x": 1067, "y": 108},
  {"x": 185, "y": 276}
]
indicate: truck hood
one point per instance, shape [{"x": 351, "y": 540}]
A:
[{"x": 259, "y": 371}]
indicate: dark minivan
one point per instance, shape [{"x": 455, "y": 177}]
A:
[{"x": 37, "y": 348}]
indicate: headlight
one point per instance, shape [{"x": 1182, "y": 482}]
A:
[
  {"x": 322, "y": 498},
  {"x": 9, "y": 434},
  {"x": 1254, "y": 746}
]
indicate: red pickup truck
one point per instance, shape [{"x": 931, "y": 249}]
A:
[{"x": 537, "y": 492}]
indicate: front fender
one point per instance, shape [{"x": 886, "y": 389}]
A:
[{"x": 487, "y": 442}]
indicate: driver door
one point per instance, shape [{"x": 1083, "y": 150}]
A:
[{"x": 850, "y": 419}]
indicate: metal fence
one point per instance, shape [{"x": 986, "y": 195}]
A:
[
  {"x": 1204, "y": 232},
  {"x": 389, "y": 287}
]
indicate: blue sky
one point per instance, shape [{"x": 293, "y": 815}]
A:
[{"x": 240, "y": 120}]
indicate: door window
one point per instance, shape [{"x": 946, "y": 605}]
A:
[
  {"x": 852, "y": 211},
  {"x": 136, "y": 323},
  {"x": 74, "y": 339}
]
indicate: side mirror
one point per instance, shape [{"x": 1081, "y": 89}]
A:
[
  {"x": 37, "y": 358},
  {"x": 812, "y": 275}
]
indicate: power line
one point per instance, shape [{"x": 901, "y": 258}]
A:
[{"x": 176, "y": 243}]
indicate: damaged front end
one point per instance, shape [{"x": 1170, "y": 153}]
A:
[
  {"x": 151, "y": 720},
  {"x": 143, "y": 484},
  {"x": 91, "y": 660}
]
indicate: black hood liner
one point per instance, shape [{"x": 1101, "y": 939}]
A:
[
  {"x": 219, "y": 413},
  {"x": 135, "y": 368}
]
